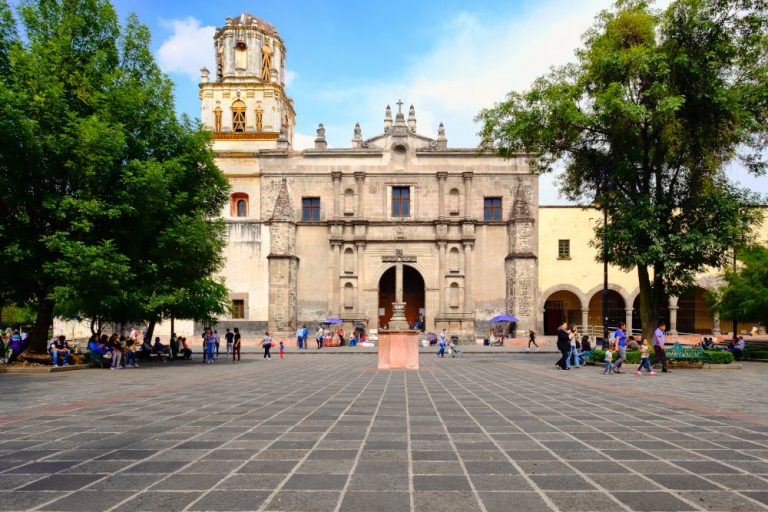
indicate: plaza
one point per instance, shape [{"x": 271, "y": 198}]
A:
[{"x": 489, "y": 432}]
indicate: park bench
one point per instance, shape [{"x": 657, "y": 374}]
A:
[{"x": 687, "y": 354}]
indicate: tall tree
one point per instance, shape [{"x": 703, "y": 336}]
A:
[
  {"x": 654, "y": 108},
  {"x": 745, "y": 294},
  {"x": 88, "y": 140}
]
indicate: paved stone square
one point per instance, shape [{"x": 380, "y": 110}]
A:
[{"x": 318, "y": 433}]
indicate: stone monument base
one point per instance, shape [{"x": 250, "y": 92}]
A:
[{"x": 399, "y": 350}]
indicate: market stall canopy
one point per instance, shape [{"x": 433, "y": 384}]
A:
[{"x": 332, "y": 321}]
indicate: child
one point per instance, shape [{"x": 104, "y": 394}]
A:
[
  {"x": 645, "y": 360},
  {"x": 608, "y": 361},
  {"x": 282, "y": 348}
]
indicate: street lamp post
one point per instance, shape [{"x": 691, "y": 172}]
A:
[{"x": 605, "y": 275}]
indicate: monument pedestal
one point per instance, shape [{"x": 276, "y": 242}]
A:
[{"x": 399, "y": 350}]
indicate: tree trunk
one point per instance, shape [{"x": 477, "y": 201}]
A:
[
  {"x": 649, "y": 312},
  {"x": 151, "y": 329},
  {"x": 39, "y": 337}
]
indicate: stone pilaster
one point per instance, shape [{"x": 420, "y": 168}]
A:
[
  {"x": 283, "y": 265},
  {"x": 521, "y": 264}
]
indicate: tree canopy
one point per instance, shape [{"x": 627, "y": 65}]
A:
[
  {"x": 745, "y": 294},
  {"x": 646, "y": 120},
  {"x": 107, "y": 199}
]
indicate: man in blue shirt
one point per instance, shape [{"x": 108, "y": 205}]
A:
[
  {"x": 658, "y": 347},
  {"x": 621, "y": 347}
]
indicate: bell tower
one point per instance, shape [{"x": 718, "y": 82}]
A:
[{"x": 243, "y": 100}]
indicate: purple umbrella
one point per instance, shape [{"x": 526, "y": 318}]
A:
[
  {"x": 504, "y": 318},
  {"x": 332, "y": 321}
]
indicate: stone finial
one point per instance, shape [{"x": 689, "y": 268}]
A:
[
  {"x": 283, "y": 210},
  {"x": 320, "y": 142},
  {"x": 521, "y": 206},
  {"x": 204, "y": 74},
  {"x": 412, "y": 119},
  {"x": 282, "y": 139},
  {"x": 442, "y": 141},
  {"x": 399, "y": 118},
  {"x": 357, "y": 139},
  {"x": 228, "y": 22},
  {"x": 387, "y": 119}
]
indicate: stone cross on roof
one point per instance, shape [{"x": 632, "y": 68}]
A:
[{"x": 399, "y": 106}]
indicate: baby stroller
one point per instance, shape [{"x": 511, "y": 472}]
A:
[{"x": 453, "y": 349}]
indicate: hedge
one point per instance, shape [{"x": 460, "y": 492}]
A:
[
  {"x": 757, "y": 354},
  {"x": 633, "y": 356}
]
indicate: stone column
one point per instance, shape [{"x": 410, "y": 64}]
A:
[
  {"x": 360, "y": 248},
  {"x": 399, "y": 282},
  {"x": 441, "y": 177},
  {"x": 359, "y": 182},
  {"x": 584, "y": 321},
  {"x": 716, "y": 324},
  {"x": 441, "y": 277},
  {"x": 628, "y": 320},
  {"x": 673, "y": 316},
  {"x": 469, "y": 303},
  {"x": 467, "y": 195},
  {"x": 336, "y": 177},
  {"x": 335, "y": 271}
]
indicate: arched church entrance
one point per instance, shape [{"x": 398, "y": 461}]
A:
[{"x": 413, "y": 294}]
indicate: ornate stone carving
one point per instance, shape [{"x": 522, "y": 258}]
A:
[
  {"x": 468, "y": 230},
  {"x": 336, "y": 232},
  {"x": 441, "y": 231},
  {"x": 400, "y": 231},
  {"x": 521, "y": 206}
]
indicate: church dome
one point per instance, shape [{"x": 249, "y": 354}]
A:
[{"x": 249, "y": 20}]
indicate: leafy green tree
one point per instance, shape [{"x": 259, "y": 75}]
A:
[
  {"x": 745, "y": 294},
  {"x": 95, "y": 169},
  {"x": 653, "y": 109}
]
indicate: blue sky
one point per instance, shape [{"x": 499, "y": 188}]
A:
[{"x": 348, "y": 60}]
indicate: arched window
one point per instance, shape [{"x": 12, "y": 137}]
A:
[
  {"x": 238, "y": 204},
  {"x": 453, "y": 296},
  {"x": 453, "y": 260},
  {"x": 453, "y": 202},
  {"x": 217, "y": 120},
  {"x": 349, "y": 202},
  {"x": 349, "y": 296},
  {"x": 238, "y": 116},
  {"x": 349, "y": 261}
]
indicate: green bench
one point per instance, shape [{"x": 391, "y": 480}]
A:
[{"x": 687, "y": 354}]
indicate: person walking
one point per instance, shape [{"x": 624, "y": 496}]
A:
[
  {"x": 282, "y": 350},
  {"x": 229, "y": 337},
  {"x": 608, "y": 362},
  {"x": 645, "y": 361},
  {"x": 563, "y": 345},
  {"x": 532, "y": 339},
  {"x": 573, "y": 349},
  {"x": 621, "y": 347},
  {"x": 300, "y": 337},
  {"x": 304, "y": 335},
  {"x": 658, "y": 347},
  {"x": 266, "y": 343},
  {"x": 236, "y": 345},
  {"x": 216, "y": 342},
  {"x": 442, "y": 340}
]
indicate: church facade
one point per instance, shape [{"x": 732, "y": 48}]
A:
[{"x": 321, "y": 232}]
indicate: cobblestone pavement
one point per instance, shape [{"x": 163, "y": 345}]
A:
[{"x": 320, "y": 433}]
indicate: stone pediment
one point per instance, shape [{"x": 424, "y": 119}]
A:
[{"x": 387, "y": 140}]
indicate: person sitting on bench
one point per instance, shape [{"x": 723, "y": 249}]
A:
[
  {"x": 161, "y": 350},
  {"x": 59, "y": 348}
]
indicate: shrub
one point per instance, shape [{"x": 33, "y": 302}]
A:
[
  {"x": 758, "y": 354},
  {"x": 719, "y": 357}
]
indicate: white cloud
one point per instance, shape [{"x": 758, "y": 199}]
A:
[
  {"x": 188, "y": 49},
  {"x": 475, "y": 62},
  {"x": 290, "y": 76},
  {"x": 303, "y": 141}
]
